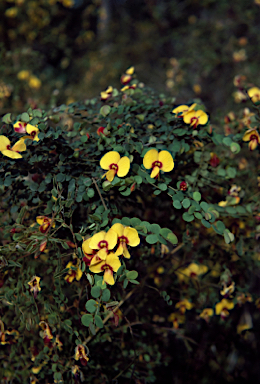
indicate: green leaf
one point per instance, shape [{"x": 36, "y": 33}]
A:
[
  {"x": 155, "y": 228},
  {"x": 177, "y": 204},
  {"x": 196, "y": 196},
  {"x": 105, "y": 110},
  {"x": 220, "y": 226},
  {"x": 7, "y": 118},
  {"x": 105, "y": 295},
  {"x": 91, "y": 306},
  {"x": 205, "y": 223},
  {"x": 95, "y": 292},
  {"x": 235, "y": 147},
  {"x": 187, "y": 217},
  {"x": 185, "y": 203},
  {"x": 90, "y": 192},
  {"x": 98, "y": 321},
  {"x": 204, "y": 206},
  {"x": 198, "y": 215},
  {"x": 172, "y": 238},
  {"x": 132, "y": 275},
  {"x": 163, "y": 186},
  {"x": 87, "y": 319},
  {"x": 25, "y": 117},
  {"x": 92, "y": 328},
  {"x": 151, "y": 239}
]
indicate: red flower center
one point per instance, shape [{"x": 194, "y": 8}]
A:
[
  {"x": 253, "y": 138},
  {"x": 157, "y": 164},
  {"x": 8, "y": 147},
  {"x": 123, "y": 239},
  {"x": 114, "y": 167},
  {"x": 33, "y": 133},
  {"x": 102, "y": 244},
  {"x": 106, "y": 266},
  {"x": 194, "y": 122}
]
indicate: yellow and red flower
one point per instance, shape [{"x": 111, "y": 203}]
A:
[
  {"x": 253, "y": 137},
  {"x": 72, "y": 273},
  {"x": 223, "y": 307},
  {"x": 108, "y": 266},
  {"x": 181, "y": 110},
  {"x": 35, "y": 285},
  {"x": 80, "y": 354},
  {"x": 195, "y": 118},
  {"x": 192, "y": 271},
  {"x": 19, "y": 127},
  {"x": 115, "y": 165},
  {"x": 176, "y": 318},
  {"x": 46, "y": 334},
  {"x": 105, "y": 95},
  {"x": 254, "y": 94},
  {"x": 12, "y": 152},
  {"x": 206, "y": 314},
  {"x": 184, "y": 305},
  {"x": 44, "y": 223},
  {"x": 161, "y": 161},
  {"x": 126, "y": 236},
  {"x": 102, "y": 242},
  {"x": 89, "y": 253}
]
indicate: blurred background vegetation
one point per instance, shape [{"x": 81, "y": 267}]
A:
[{"x": 59, "y": 51}]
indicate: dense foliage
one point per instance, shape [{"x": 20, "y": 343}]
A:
[{"x": 128, "y": 229}]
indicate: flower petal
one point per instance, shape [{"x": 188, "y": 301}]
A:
[
  {"x": 203, "y": 117},
  {"x": 180, "y": 109},
  {"x": 119, "y": 229},
  {"x": 110, "y": 175},
  {"x": 155, "y": 172},
  {"x": 132, "y": 236},
  {"x": 12, "y": 154},
  {"x": 4, "y": 142},
  {"x": 113, "y": 261},
  {"x": 108, "y": 277},
  {"x": 86, "y": 248},
  {"x": 95, "y": 239},
  {"x": 149, "y": 158},
  {"x": 97, "y": 268},
  {"x": 123, "y": 166},
  {"x": 19, "y": 146},
  {"x": 111, "y": 157},
  {"x": 19, "y": 127},
  {"x": 79, "y": 274},
  {"x": 167, "y": 161},
  {"x": 111, "y": 238}
]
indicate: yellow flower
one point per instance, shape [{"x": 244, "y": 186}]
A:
[
  {"x": 88, "y": 252},
  {"x": 161, "y": 161},
  {"x": 227, "y": 289},
  {"x": 126, "y": 236},
  {"x": 176, "y": 319},
  {"x": 46, "y": 333},
  {"x": 72, "y": 274},
  {"x": 34, "y": 82},
  {"x": 102, "y": 242},
  {"x": 184, "y": 305},
  {"x": 19, "y": 127},
  {"x": 195, "y": 118},
  {"x": 207, "y": 313},
  {"x": 105, "y": 95},
  {"x": 80, "y": 354},
  {"x": 35, "y": 285},
  {"x": 254, "y": 94},
  {"x": 33, "y": 132},
  {"x": 130, "y": 71},
  {"x": 253, "y": 137},
  {"x": 108, "y": 266},
  {"x": 223, "y": 306},
  {"x": 44, "y": 223},
  {"x": 115, "y": 165},
  {"x": 23, "y": 75},
  {"x": 192, "y": 271},
  {"x": 6, "y": 150}
]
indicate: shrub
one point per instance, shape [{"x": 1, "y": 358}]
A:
[{"x": 128, "y": 241}]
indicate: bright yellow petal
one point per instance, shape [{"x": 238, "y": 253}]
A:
[
  {"x": 188, "y": 116},
  {"x": 123, "y": 166},
  {"x": 180, "y": 109},
  {"x": 203, "y": 117},
  {"x": 149, "y": 158},
  {"x": 155, "y": 172},
  {"x": 120, "y": 250},
  {"x": 97, "y": 268},
  {"x": 79, "y": 274},
  {"x": 110, "y": 175},
  {"x": 86, "y": 248},
  {"x": 111, "y": 238},
  {"x": 109, "y": 158},
  {"x": 19, "y": 146},
  {"x": 4, "y": 142},
  {"x": 102, "y": 254},
  {"x": 126, "y": 253},
  {"x": 31, "y": 128},
  {"x": 253, "y": 91},
  {"x": 108, "y": 277},
  {"x": 119, "y": 229},
  {"x": 12, "y": 154},
  {"x": 130, "y": 71},
  {"x": 132, "y": 235},
  {"x": 95, "y": 240},
  {"x": 167, "y": 161},
  {"x": 113, "y": 261}
]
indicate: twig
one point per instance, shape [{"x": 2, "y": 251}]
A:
[{"x": 101, "y": 198}]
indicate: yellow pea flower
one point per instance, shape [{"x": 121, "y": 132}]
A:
[
  {"x": 195, "y": 118},
  {"x": 161, "y": 161},
  {"x": 35, "y": 285},
  {"x": 115, "y": 165},
  {"x": 181, "y": 110},
  {"x": 102, "y": 242},
  {"x": 72, "y": 274},
  {"x": 108, "y": 266},
  {"x": 254, "y": 94},
  {"x": 253, "y": 137},
  {"x": 223, "y": 306},
  {"x": 80, "y": 354},
  {"x": 12, "y": 152},
  {"x": 126, "y": 236}
]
